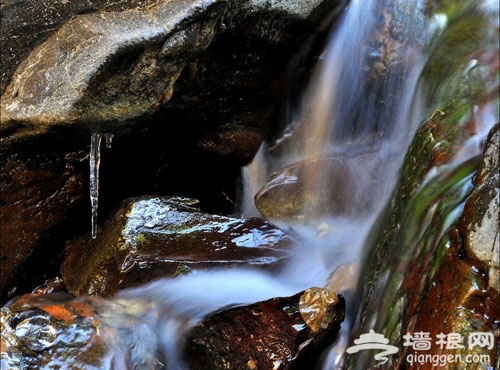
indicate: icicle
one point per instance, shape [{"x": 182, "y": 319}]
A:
[
  {"x": 95, "y": 161},
  {"x": 108, "y": 139}
]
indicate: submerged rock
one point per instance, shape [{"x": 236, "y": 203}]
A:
[
  {"x": 58, "y": 331},
  {"x": 154, "y": 237},
  {"x": 281, "y": 333},
  {"x": 297, "y": 191}
]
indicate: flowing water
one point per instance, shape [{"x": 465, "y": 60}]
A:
[{"x": 362, "y": 108}]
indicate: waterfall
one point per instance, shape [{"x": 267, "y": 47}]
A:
[
  {"x": 355, "y": 123},
  {"x": 358, "y": 103}
]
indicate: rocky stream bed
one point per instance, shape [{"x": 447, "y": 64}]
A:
[{"x": 186, "y": 92}]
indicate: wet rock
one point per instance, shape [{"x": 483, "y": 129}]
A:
[
  {"x": 281, "y": 333},
  {"x": 425, "y": 275},
  {"x": 297, "y": 191},
  {"x": 37, "y": 193},
  {"x": 343, "y": 278},
  {"x": 154, "y": 237},
  {"x": 58, "y": 331},
  {"x": 479, "y": 223},
  {"x": 38, "y": 332}
]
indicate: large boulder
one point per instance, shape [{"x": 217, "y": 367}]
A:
[
  {"x": 110, "y": 66},
  {"x": 152, "y": 237},
  {"x": 280, "y": 333}
]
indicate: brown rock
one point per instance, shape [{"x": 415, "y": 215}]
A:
[
  {"x": 37, "y": 192},
  {"x": 154, "y": 237},
  {"x": 271, "y": 334},
  {"x": 479, "y": 223}
]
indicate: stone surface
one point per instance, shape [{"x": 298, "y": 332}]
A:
[
  {"x": 424, "y": 274},
  {"x": 106, "y": 68},
  {"x": 153, "y": 237},
  {"x": 26, "y": 24},
  {"x": 37, "y": 193},
  {"x": 73, "y": 75},
  {"x": 479, "y": 223},
  {"x": 113, "y": 63},
  {"x": 267, "y": 335}
]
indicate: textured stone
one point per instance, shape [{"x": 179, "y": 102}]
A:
[
  {"x": 266, "y": 335},
  {"x": 481, "y": 218},
  {"x": 108, "y": 67},
  {"x": 114, "y": 63},
  {"x": 37, "y": 193},
  {"x": 104, "y": 66},
  {"x": 153, "y": 237}
]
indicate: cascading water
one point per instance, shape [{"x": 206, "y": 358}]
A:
[{"x": 355, "y": 124}]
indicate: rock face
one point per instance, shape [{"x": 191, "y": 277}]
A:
[
  {"x": 37, "y": 194},
  {"x": 463, "y": 295},
  {"x": 434, "y": 269},
  {"x": 480, "y": 220},
  {"x": 149, "y": 238},
  {"x": 109, "y": 67},
  {"x": 281, "y": 333}
]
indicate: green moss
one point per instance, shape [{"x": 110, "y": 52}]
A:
[
  {"x": 449, "y": 52},
  {"x": 182, "y": 269},
  {"x": 140, "y": 239}
]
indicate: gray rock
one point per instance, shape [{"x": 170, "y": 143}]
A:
[
  {"x": 107, "y": 68},
  {"x": 104, "y": 66},
  {"x": 27, "y": 23}
]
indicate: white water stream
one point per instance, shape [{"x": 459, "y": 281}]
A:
[{"x": 364, "y": 99}]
